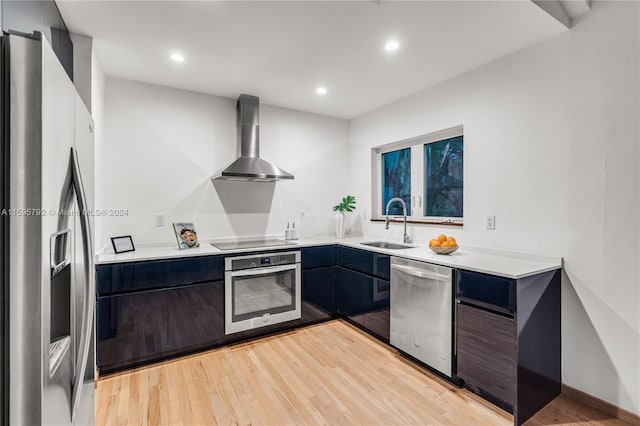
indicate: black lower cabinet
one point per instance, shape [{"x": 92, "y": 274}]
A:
[
  {"x": 195, "y": 317},
  {"x": 318, "y": 293},
  {"x": 508, "y": 339},
  {"x": 364, "y": 300},
  {"x": 354, "y": 289},
  {"x": 131, "y": 329},
  {"x": 136, "y": 328},
  {"x": 378, "y": 318},
  {"x": 487, "y": 354}
]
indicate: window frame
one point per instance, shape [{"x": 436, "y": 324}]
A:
[{"x": 418, "y": 177}]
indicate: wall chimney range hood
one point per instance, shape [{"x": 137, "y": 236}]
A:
[{"x": 249, "y": 166}]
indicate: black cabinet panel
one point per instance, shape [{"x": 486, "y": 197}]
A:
[
  {"x": 378, "y": 318},
  {"x": 188, "y": 271},
  {"x": 354, "y": 293},
  {"x": 365, "y": 301},
  {"x": 487, "y": 291},
  {"x": 314, "y": 257},
  {"x": 365, "y": 261},
  {"x": 131, "y": 328},
  {"x": 195, "y": 316},
  {"x": 508, "y": 339},
  {"x": 539, "y": 343},
  {"x": 486, "y": 345},
  {"x": 318, "y": 293},
  {"x": 134, "y": 276}
]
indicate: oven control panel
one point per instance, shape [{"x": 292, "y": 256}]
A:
[{"x": 261, "y": 261}]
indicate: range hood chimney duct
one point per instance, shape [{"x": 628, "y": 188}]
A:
[{"x": 249, "y": 166}]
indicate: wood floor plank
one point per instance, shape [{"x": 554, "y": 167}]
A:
[{"x": 328, "y": 374}]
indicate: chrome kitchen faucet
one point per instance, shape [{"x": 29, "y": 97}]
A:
[{"x": 406, "y": 237}]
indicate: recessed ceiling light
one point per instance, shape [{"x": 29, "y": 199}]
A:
[
  {"x": 176, "y": 57},
  {"x": 321, "y": 91},
  {"x": 391, "y": 45}
]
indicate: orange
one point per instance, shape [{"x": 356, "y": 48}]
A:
[
  {"x": 451, "y": 239},
  {"x": 450, "y": 243},
  {"x": 433, "y": 242},
  {"x": 442, "y": 238}
]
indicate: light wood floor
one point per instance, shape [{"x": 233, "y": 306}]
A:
[{"x": 330, "y": 373}]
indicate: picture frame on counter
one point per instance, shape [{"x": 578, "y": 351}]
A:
[
  {"x": 122, "y": 244},
  {"x": 186, "y": 235}
]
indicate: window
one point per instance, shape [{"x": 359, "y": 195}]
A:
[
  {"x": 396, "y": 179},
  {"x": 425, "y": 172},
  {"x": 443, "y": 178}
]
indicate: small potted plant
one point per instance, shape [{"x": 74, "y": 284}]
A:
[{"x": 347, "y": 205}]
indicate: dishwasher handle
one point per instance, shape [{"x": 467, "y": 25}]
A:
[{"x": 420, "y": 273}]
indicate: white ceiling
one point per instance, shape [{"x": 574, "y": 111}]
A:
[{"x": 281, "y": 51}]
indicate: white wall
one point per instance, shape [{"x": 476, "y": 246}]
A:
[
  {"x": 551, "y": 148},
  {"x": 162, "y": 145}
]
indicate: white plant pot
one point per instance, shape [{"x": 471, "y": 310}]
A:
[{"x": 339, "y": 221}]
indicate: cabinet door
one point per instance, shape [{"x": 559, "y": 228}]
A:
[
  {"x": 318, "y": 293},
  {"x": 365, "y": 261},
  {"x": 378, "y": 317},
  {"x": 365, "y": 300},
  {"x": 195, "y": 270},
  {"x": 354, "y": 289},
  {"x": 195, "y": 316},
  {"x": 489, "y": 291},
  {"x": 487, "y": 353},
  {"x": 135, "y": 276},
  {"x": 315, "y": 257},
  {"x": 131, "y": 328}
]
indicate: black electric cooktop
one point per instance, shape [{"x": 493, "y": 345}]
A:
[{"x": 234, "y": 245}]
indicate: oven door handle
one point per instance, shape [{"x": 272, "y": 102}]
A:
[{"x": 263, "y": 271}]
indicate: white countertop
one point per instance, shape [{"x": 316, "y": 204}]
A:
[{"x": 496, "y": 262}]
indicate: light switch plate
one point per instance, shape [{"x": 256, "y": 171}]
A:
[
  {"x": 160, "y": 220},
  {"x": 491, "y": 221}
]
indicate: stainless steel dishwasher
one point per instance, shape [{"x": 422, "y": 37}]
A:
[{"x": 421, "y": 312}]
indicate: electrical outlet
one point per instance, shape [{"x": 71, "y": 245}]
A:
[
  {"x": 159, "y": 220},
  {"x": 491, "y": 221}
]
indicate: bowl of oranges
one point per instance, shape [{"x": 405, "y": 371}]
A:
[{"x": 443, "y": 244}]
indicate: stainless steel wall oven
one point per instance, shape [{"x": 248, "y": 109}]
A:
[{"x": 261, "y": 290}]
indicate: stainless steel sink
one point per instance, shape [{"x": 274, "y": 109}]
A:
[{"x": 385, "y": 245}]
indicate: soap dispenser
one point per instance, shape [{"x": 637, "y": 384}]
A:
[
  {"x": 287, "y": 232},
  {"x": 294, "y": 232}
]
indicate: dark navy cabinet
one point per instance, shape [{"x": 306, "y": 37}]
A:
[
  {"x": 494, "y": 293},
  {"x": 317, "y": 257},
  {"x": 364, "y": 290},
  {"x": 133, "y": 276},
  {"x": 319, "y": 283},
  {"x": 195, "y": 317},
  {"x": 508, "y": 339},
  {"x": 355, "y": 291},
  {"x": 131, "y": 328},
  {"x": 319, "y": 298},
  {"x": 146, "y": 311},
  {"x": 365, "y": 261}
]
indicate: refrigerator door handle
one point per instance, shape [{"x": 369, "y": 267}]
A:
[{"x": 89, "y": 295}]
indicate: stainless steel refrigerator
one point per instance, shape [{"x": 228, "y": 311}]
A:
[{"x": 46, "y": 260}]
